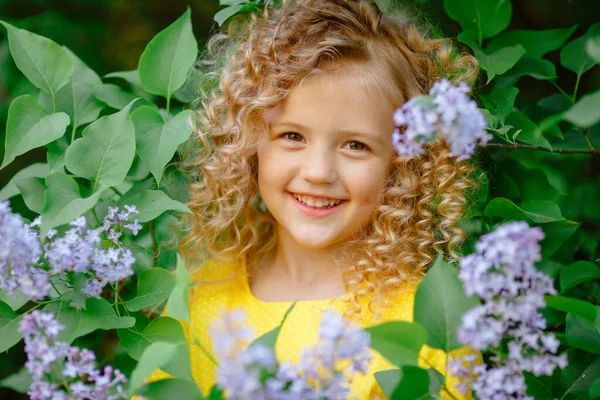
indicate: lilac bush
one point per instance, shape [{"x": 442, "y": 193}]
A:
[
  {"x": 254, "y": 373},
  {"x": 27, "y": 267},
  {"x": 503, "y": 275},
  {"x": 448, "y": 112},
  {"x": 63, "y": 372}
]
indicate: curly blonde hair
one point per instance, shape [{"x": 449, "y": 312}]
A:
[{"x": 267, "y": 57}]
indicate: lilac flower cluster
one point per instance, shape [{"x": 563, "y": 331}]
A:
[
  {"x": 324, "y": 371},
  {"x": 19, "y": 256},
  {"x": 502, "y": 273},
  {"x": 63, "y": 372},
  {"x": 447, "y": 111},
  {"x": 79, "y": 250}
]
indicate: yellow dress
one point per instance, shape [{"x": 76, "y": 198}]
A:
[{"x": 231, "y": 291}]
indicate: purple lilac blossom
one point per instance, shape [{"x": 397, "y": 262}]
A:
[
  {"x": 79, "y": 251},
  {"x": 44, "y": 358},
  {"x": 318, "y": 375},
  {"x": 502, "y": 273},
  {"x": 19, "y": 255},
  {"x": 451, "y": 114}
]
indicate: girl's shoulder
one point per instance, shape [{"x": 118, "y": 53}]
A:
[
  {"x": 217, "y": 278},
  {"x": 400, "y": 304}
]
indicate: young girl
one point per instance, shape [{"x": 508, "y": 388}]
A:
[{"x": 300, "y": 195}]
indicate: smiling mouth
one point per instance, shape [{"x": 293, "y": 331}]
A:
[{"x": 316, "y": 202}]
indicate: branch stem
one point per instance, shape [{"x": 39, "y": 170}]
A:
[{"x": 592, "y": 151}]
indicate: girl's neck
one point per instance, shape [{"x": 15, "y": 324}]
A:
[{"x": 292, "y": 272}]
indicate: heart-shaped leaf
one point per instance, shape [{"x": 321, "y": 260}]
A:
[
  {"x": 39, "y": 170},
  {"x": 166, "y": 60},
  {"x": 29, "y": 126},
  {"x": 105, "y": 151},
  {"x": 63, "y": 202},
  {"x": 46, "y": 64},
  {"x": 156, "y": 140},
  {"x": 440, "y": 302},
  {"x": 480, "y": 19},
  {"x": 9, "y": 323},
  {"x": 152, "y": 203},
  {"x": 154, "y": 285}
]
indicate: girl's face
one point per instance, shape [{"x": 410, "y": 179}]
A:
[{"x": 323, "y": 164}]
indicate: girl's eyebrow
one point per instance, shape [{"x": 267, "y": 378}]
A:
[{"x": 295, "y": 125}]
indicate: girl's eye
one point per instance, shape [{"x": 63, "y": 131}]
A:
[
  {"x": 356, "y": 146},
  {"x": 293, "y": 136}
]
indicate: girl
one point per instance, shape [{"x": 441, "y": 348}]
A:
[{"x": 300, "y": 195}]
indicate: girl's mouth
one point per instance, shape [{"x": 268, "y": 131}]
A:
[{"x": 316, "y": 206}]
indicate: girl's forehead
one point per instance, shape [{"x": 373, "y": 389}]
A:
[{"x": 349, "y": 87}]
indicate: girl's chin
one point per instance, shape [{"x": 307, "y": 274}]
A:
[{"x": 316, "y": 241}]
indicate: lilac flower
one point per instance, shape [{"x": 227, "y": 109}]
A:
[
  {"x": 502, "y": 273},
  {"x": 253, "y": 373},
  {"x": 447, "y": 111},
  {"x": 45, "y": 356},
  {"x": 19, "y": 256}
]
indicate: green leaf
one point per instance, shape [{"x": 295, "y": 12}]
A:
[
  {"x": 535, "y": 42},
  {"x": 105, "y": 152},
  {"x": 162, "y": 329},
  {"x": 164, "y": 389},
  {"x": 573, "y": 306},
  {"x": 538, "y": 69},
  {"x": 408, "y": 383},
  {"x": 76, "y": 98},
  {"x": 536, "y": 211},
  {"x": 154, "y": 356},
  {"x": 9, "y": 323},
  {"x": 153, "y": 203},
  {"x": 32, "y": 189},
  {"x": 530, "y": 132},
  {"x": 540, "y": 387},
  {"x": 480, "y": 19},
  {"x": 228, "y": 12},
  {"x": 573, "y": 55},
  {"x": 577, "y": 273},
  {"x": 47, "y": 65},
  {"x": 113, "y": 96},
  {"x": 580, "y": 374},
  {"x": 98, "y": 314},
  {"x": 166, "y": 60},
  {"x": 440, "y": 302},
  {"x": 269, "y": 339},
  {"x": 154, "y": 285},
  {"x": 29, "y": 126},
  {"x": 595, "y": 389},
  {"x": 585, "y": 112},
  {"x": 399, "y": 342},
  {"x": 583, "y": 334},
  {"x": 499, "y": 62},
  {"x": 39, "y": 170},
  {"x": 178, "y": 300},
  {"x": 131, "y": 77},
  {"x": 556, "y": 234},
  {"x": 501, "y": 101},
  {"x": 156, "y": 140},
  {"x": 56, "y": 154},
  {"x": 15, "y": 302},
  {"x": 63, "y": 202},
  {"x": 19, "y": 381},
  {"x": 592, "y": 47}
]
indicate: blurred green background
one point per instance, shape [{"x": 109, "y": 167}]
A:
[{"x": 110, "y": 35}]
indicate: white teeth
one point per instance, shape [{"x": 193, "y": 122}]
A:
[{"x": 316, "y": 202}]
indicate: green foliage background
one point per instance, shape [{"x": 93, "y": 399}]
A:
[{"x": 539, "y": 88}]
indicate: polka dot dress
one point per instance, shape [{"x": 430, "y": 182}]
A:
[{"x": 229, "y": 289}]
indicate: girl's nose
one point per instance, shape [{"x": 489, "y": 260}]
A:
[{"x": 319, "y": 166}]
